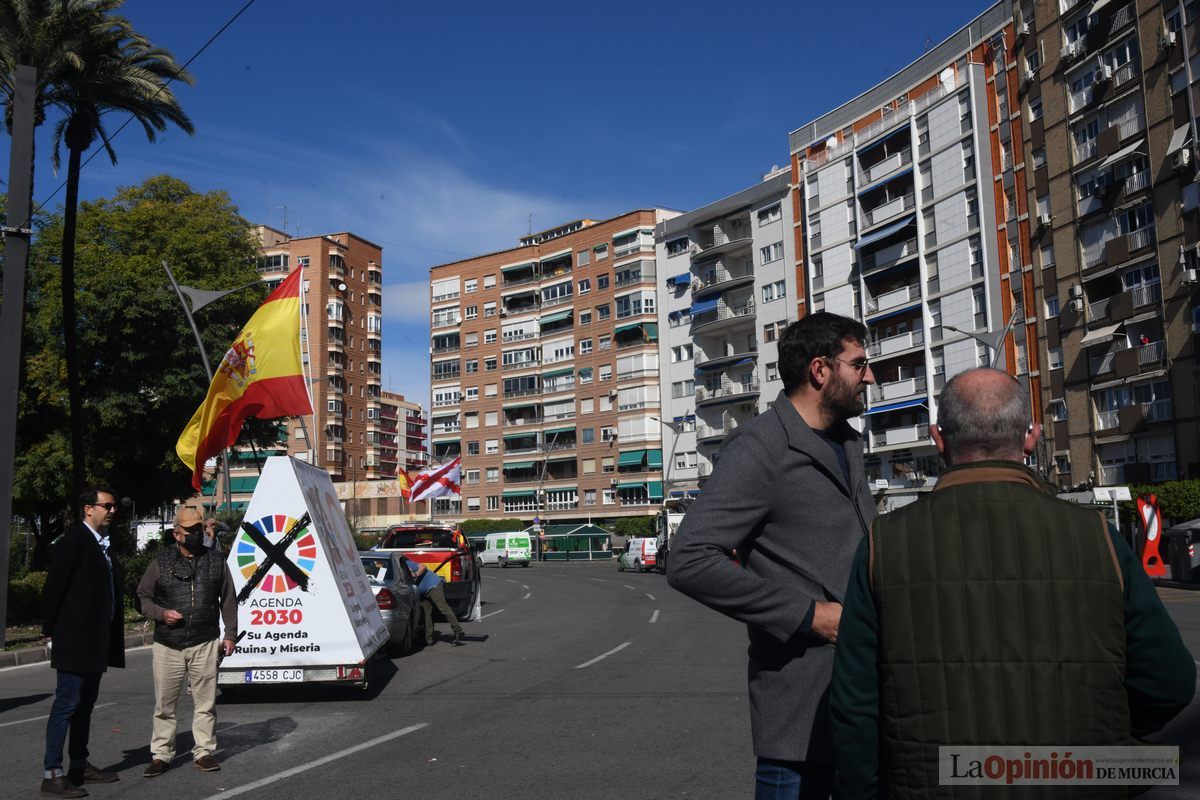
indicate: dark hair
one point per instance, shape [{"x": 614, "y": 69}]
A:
[
  {"x": 91, "y": 494},
  {"x": 819, "y": 335}
]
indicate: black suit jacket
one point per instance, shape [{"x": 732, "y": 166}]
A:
[{"x": 83, "y": 610}]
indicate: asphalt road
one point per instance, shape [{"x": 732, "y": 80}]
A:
[{"x": 589, "y": 684}]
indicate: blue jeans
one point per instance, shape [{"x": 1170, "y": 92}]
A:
[
  {"x": 792, "y": 780},
  {"x": 74, "y": 698}
]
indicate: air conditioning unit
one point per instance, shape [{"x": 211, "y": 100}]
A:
[
  {"x": 1045, "y": 218},
  {"x": 1191, "y": 276},
  {"x": 1027, "y": 76},
  {"x": 1070, "y": 52},
  {"x": 1075, "y": 291},
  {"x": 1076, "y": 305},
  {"x": 1181, "y": 158},
  {"x": 1104, "y": 73},
  {"x": 1022, "y": 31},
  {"x": 880, "y": 483},
  {"x": 1167, "y": 40}
]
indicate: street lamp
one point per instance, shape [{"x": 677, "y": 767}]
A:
[{"x": 993, "y": 342}]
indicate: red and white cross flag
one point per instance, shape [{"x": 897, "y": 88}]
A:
[{"x": 438, "y": 482}]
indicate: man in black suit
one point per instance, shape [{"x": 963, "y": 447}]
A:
[{"x": 83, "y": 613}]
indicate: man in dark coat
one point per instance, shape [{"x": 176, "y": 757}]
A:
[
  {"x": 790, "y": 495},
  {"x": 83, "y": 613}
]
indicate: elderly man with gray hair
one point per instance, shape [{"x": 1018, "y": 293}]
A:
[{"x": 991, "y": 613}]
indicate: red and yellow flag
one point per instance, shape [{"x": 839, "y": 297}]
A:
[
  {"x": 405, "y": 483},
  {"x": 260, "y": 376}
]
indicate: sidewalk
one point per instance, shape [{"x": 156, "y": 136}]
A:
[{"x": 32, "y": 655}]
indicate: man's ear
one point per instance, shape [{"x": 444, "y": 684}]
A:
[
  {"x": 936, "y": 433},
  {"x": 818, "y": 372},
  {"x": 1031, "y": 437}
]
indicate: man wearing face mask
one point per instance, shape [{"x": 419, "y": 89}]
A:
[{"x": 183, "y": 591}]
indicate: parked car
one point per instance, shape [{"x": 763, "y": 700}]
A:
[
  {"x": 507, "y": 548},
  {"x": 399, "y": 601},
  {"x": 442, "y": 548},
  {"x": 639, "y": 554}
]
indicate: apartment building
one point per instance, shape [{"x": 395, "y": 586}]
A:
[
  {"x": 342, "y": 349},
  {"x": 727, "y": 288},
  {"x": 909, "y": 211},
  {"x": 544, "y": 364},
  {"x": 1108, "y": 95},
  {"x": 400, "y": 439}
]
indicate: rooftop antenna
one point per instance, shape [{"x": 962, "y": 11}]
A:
[
  {"x": 284, "y": 207},
  {"x": 530, "y": 225},
  {"x": 928, "y": 43}
]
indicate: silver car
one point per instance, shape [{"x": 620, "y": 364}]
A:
[{"x": 399, "y": 602}]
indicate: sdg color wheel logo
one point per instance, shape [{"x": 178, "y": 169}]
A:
[{"x": 249, "y": 555}]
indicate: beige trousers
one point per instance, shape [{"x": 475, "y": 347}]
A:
[{"x": 198, "y": 666}]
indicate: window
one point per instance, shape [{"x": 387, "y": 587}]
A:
[
  {"x": 489, "y": 309},
  {"x": 607, "y": 464},
  {"x": 583, "y": 258},
  {"x": 493, "y": 503},
  {"x": 489, "y": 364},
  {"x": 684, "y": 388},
  {"x": 685, "y": 460},
  {"x": 490, "y": 418},
  {"x": 489, "y": 337},
  {"x": 585, "y": 346},
  {"x": 605, "y": 372},
  {"x": 770, "y": 214},
  {"x": 610, "y": 497},
  {"x": 585, "y": 286},
  {"x": 1054, "y": 357},
  {"x": 471, "y": 312},
  {"x": 587, "y": 435},
  {"x": 633, "y": 304},
  {"x": 585, "y": 375},
  {"x": 603, "y": 312},
  {"x": 602, "y": 281},
  {"x": 605, "y": 342},
  {"x": 771, "y": 331},
  {"x": 589, "y": 497},
  {"x": 493, "y": 474},
  {"x": 471, "y": 340},
  {"x": 772, "y": 252},
  {"x": 1052, "y": 307},
  {"x": 472, "y": 448},
  {"x": 470, "y": 285},
  {"x": 1035, "y": 109},
  {"x": 489, "y": 390},
  {"x": 600, "y": 251},
  {"x": 472, "y": 420},
  {"x": 472, "y": 365},
  {"x": 1058, "y": 410},
  {"x": 608, "y": 433},
  {"x": 491, "y": 447},
  {"x": 585, "y": 318},
  {"x": 773, "y": 291},
  {"x": 472, "y": 393},
  {"x": 773, "y": 371},
  {"x": 489, "y": 281},
  {"x": 679, "y": 246},
  {"x": 681, "y": 353},
  {"x": 472, "y": 476}
]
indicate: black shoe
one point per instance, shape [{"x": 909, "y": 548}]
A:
[
  {"x": 207, "y": 764},
  {"x": 157, "y": 767},
  {"x": 90, "y": 774},
  {"x": 458, "y": 638},
  {"x": 59, "y": 786}
]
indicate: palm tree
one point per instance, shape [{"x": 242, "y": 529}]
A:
[{"x": 90, "y": 62}]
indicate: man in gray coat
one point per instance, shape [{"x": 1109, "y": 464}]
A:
[{"x": 789, "y": 494}]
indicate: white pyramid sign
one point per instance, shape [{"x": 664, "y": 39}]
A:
[{"x": 309, "y": 604}]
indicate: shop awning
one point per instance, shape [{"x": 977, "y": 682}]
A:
[
  {"x": 1100, "y": 335},
  {"x": 654, "y": 459},
  {"x": 631, "y": 458},
  {"x": 885, "y": 231},
  {"x": 679, "y": 280},
  {"x": 512, "y": 494},
  {"x": 520, "y": 464},
  {"x": 550, "y": 319},
  {"x": 1122, "y": 154},
  {"x": 893, "y": 406},
  {"x": 704, "y": 305}
]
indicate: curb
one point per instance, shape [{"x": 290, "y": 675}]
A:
[
  {"x": 32, "y": 655},
  {"x": 1163, "y": 583}
]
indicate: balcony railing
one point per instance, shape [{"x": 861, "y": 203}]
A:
[
  {"x": 521, "y": 365},
  {"x": 1150, "y": 354},
  {"x": 1137, "y": 182},
  {"x": 907, "y": 434},
  {"x": 894, "y": 389},
  {"x": 557, "y": 301},
  {"x": 889, "y": 256},
  {"x": 437, "y": 298},
  {"x": 1112, "y": 475},
  {"x": 1081, "y": 98},
  {"x": 890, "y": 209},
  {"x": 635, "y": 374},
  {"x": 1121, "y": 19},
  {"x": 894, "y": 344},
  {"x": 894, "y": 298},
  {"x": 727, "y": 388},
  {"x": 890, "y": 119},
  {"x": 517, "y": 422},
  {"x": 723, "y": 311},
  {"x": 1123, "y": 73},
  {"x": 519, "y": 337},
  {"x": 1107, "y": 420},
  {"x": 887, "y": 166},
  {"x": 1099, "y": 309},
  {"x": 445, "y": 322},
  {"x": 1085, "y": 151},
  {"x": 1103, "y": 363},
  {"x": 715, "y": 277},
  {"x": 519, "y": 281},
  {"x": 1142, "y": 237},
  {"x": 1146, "y": 294},
  {"x": 727, "y": 427},
  {"x": 702, "y": 362}
]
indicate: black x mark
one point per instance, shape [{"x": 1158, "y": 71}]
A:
[{"x": 276, "y": 555}]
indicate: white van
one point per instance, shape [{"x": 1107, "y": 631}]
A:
[
  {"x": 639, "y": 555},
  {"x": 507, "y": 548}
]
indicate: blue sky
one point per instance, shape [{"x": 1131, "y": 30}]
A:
[{"x": 436, "y": 130}]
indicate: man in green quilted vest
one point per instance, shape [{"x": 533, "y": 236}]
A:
[{"x": 991, "y": 613}]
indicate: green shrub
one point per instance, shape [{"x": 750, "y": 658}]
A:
[
  {"x": 25, "y": 598},
  {"x": 479, "y": 527},
  {"x": 134, "y": 567}
]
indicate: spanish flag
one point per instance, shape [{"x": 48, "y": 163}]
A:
[
  {"x": 405, "y": 483},
  {"x": 260, "y": 376}
]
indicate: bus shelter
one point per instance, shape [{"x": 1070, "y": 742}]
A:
[{"x": 573, "y": 542}]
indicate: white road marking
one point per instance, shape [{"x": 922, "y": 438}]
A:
[
  {"x": 654, "y": 616},
  {"x": 627, "y": 586},
  {"x": 493, "y": 613},
  {"x": 599, "y": 580},
  {"x": 47, "y": 716},
  {"x": 527, "y": 595},
  {"x": 523, "y": 586},
  {"x": 603, "y": 656},
  {"x": 510, "y": 580},
  {"x": 652, "y": 597},
  {"x": 320, "y": 762}
]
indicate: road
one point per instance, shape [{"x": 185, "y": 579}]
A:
[{"x": 590, "y": 684}]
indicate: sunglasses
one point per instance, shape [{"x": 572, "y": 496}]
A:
[
  {"x": 858, "y": 365},
  {"x": 105, "y": 506}
]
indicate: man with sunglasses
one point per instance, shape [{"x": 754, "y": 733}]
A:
[
  {"x": 789, "y": 494},
  {"x": 184, "y": 591},
  {"x": 83, "y": 614}
]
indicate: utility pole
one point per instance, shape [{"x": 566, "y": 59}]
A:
[{"x": 17, "y": 232}]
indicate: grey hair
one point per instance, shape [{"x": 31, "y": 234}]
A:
[{"x": 978, "y": 426}]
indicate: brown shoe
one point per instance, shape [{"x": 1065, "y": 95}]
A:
[
  {"x": 59, "y": 786},
  {"x": 207, "y": 764},
  {"x": 91, "y": 774},
  {"x": 157, "y": 767}
]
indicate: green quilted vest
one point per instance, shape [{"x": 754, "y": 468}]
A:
[{"x": 1001, "y": 616}]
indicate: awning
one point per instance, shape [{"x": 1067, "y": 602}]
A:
[
  {"x": 436, "y": 442},
  {"x": 893, "y": 406},
  {"x": 520, "y": 465},
  {"x": 512, "y": 494},
  {"x": 1178, "y": 138},
  {"x": 555, "y": 373},
  {"x": 890, "y": 134},
  {"x": 623, "y": 328},
  {"x": 561, "y": 458},
  {"x": 1122, "y": 154},
  {"x": 894, "y": 312},
  {"x": 654, "y": 459},
  {"x": 679, "y": 313},
  {"x": 872, "y": 187},
  {"x": 634, "y": 485},
  {"x": 1100, "y": 335},
  {"x": 516, "y": 267},
  {"x": 569, "y": 429},
  {"x": 550, "y": 319},
  {"x": 885, "y": 232},
  {"x": 552, "y": 489},
  {"x": 689, "y": 417},
  {"x": 631, "y": 458},
  {"x": 681, "y": 279},
  {"x": 655, "y": 490},
  {"x": 585, "y": 372},
  {"x": 524, "y": 435},
  {"x": 704, "y": 305}
]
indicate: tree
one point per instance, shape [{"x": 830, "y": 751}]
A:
[
  {"x": 144, "y": 375},
  {"x": 90, "y": 62}
]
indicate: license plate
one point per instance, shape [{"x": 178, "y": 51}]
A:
[{"x": 274, "y": 675}]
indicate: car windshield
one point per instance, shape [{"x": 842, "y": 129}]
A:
[
  {"x": 379, "y": 570},
  {"x": 420, "y": 537}
]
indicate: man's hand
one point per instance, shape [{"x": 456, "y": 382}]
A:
[
  {"x": 825, "y": 621},
  {"x": 173, "y": 617},
  {"x": 227, "y": 645}
]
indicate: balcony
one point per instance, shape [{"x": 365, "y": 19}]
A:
[
  {"x": 894, "y": 299},
  {"x": 721, "y": 244},
  {"x": 438, "y": 298},
  {"x": 722, "y": 313},
  {"x": 890, "y": 119},
  {"x": 719, "y": 279},
  {"x": 889, "y": 256},
  {"x": 519, "y": 336},
  {"x": 1085, "y": 151},
  {"x": 727, "y": 391},
  {"x": 636, "y": 374},
  {"x": 530, "y": 364},
  {"x": 1137, "y": 182},
  {"x": 437, "y": 350},
  {"x": 889, "y": 164},
  {"x": 904, "y": 435},
  {"x": 518, "y": 280},
  {"x": 887, "y": 210},
  {"x": 444, "y": 322},
  {"x": 897, "y": 390},
  {"x": 880, "y": 348},
  {"x": 1146, "y": 294},
  {"x": 517, "y": 422},
  {"x": 705, "y": 432},
  {"x": 554, "y": 301},
  {"x": 730, "y": 357},
  {"x": 1107, "y": 420}
]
